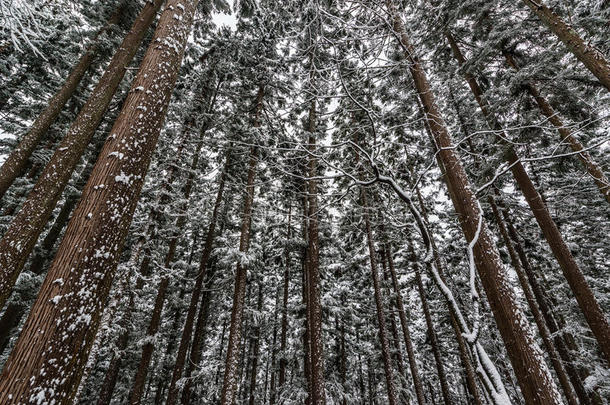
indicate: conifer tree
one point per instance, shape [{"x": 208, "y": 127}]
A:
[{"x": 77, "y": 284}]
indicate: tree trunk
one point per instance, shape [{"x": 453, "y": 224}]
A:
[
  {"x": 565, "y": 134},
  {"x": 25, "y": 228},
  {"x": 462, "y": 349},
  {"x": 534, "y": 377},
  {"x": 562, "y": 346},
  {"x": 153, "y": 327},
  {"x": 383, "y": 338},
  {"x": 17, "y": 160},
  {"x": 231, "y": 372},
  {"x": 438, "y": 359},
  {"x": 187, "y": 331},
  {"x": 256, "y": 348},
  {"x": 529, "y": 296},
  {"x": 404, "y": 323},
  {"x": 284, "y": 332},
  {"x": 587, "y": 301},
  {"x": 73, "y": 294},
  {"x": 593, "y": 59},
  {"x": 317, "y": 393}
]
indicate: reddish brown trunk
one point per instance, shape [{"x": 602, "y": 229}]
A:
[
  {"x": 534, "y": 377},
  {"x": 314, "y": 308},
  {"x": 17, "y": 160},
  {"x": 438, "y": 358},
  {"x": 593, "y": 59},
  {"x": 587, "y": 301},
  {"x": 228, "y": 395},
  {"x": 305, "y": 294},
  {"x": 417, "y": 383},
  {"x": 22, "y": 234},
  {"x": 562, "y": 346},
  {"x": 529, "y": 296},
  {"x": 256, "y": 349},
  {"x": 284, "y": 332},
  {"x": 565, "y": 134},
  {"x": 73, "y": 294},
  {"x": 462, "y": 349},
  {"x": 153, "y": 327},
  {"x": 197, "y": 288},
  {"x": 383, "y": 337}
]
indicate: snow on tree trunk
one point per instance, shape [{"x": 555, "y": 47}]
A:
[
  {"x": 25, "y": 228},
  {"x": 526, "y": 357},
  {"x": 48, "y": 360}
]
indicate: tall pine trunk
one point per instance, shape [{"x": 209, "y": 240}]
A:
[
  {"x": 534, "y": 377},
  {"x": 565, "y": 134},
  {"x": 317, "y": 392},
  {"x": 17, "y": 160},
  {"x": 533, "y": 305},
  {"x": 438, "y": 358},
  {"x": 571, "y": 270},
  {"x": 404, "y": 323},
  {"x": 25, "y": 228},
  {"x": 229, "y": 384},
  {"x": 284, "y": 330},
  {"x": 593, "y": 59},
  {"x": 153, "y": 327},
  {"x": 381, "y": 323},
  {"x": 49, "y": 366},
  {"x": 187, "y": 330}
]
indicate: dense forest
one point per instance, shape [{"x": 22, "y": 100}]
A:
[{"x": 305, "y": 202}]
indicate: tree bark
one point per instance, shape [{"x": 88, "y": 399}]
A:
[
  {"x": 153, "y": 327},
  {"x": 284, "y": 332},
  {"x": 25, "y": 228},
  {"x": 571, "y": 270},
  {"x": 404, "y": 323},
  {"x": 383, "y": 337},
  {"x": 534, "y": 377},
  {"x": 187, "y": 330},
  {"x": 17, "y": 160},
  {"x": 438, "y": 359},
  {"x": 531, "y": 301},
  {"x": 593, "y": 59},
  {"x": 49, "y": 366},
  {"x": 255, "y": 348},
  {"x": 228, "y": 395},
  {"x": 576, "y": 374},
  {"x": 314, "y": 308},
  {"x": 565, "y": 134}
]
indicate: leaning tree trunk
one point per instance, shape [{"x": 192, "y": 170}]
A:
[
  {"x": 17, "y": 160},
  {"x": 163, "y": 198},
  {"x": 565, "y": 134},
  {"x": 592, "y": 58},
  {"x": 534, "y": 377},
  {"x": 25, "y": 228},
  {"x": 438, "y": 359},
  {"x": 15, "y": 311},
  {"x": 153, "y": 327},
  {"x": 571, "y": 270},
  {"x": 538, "y": 318},
  {"x": 187, "y": 330},
  {"x": 69, "y": 306},
  {"x": 200, "y": 326},
  {"x": 229, "y": 385},
  {"x": 577, "y": 374},
  {"x": 404, "y": 323}
]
